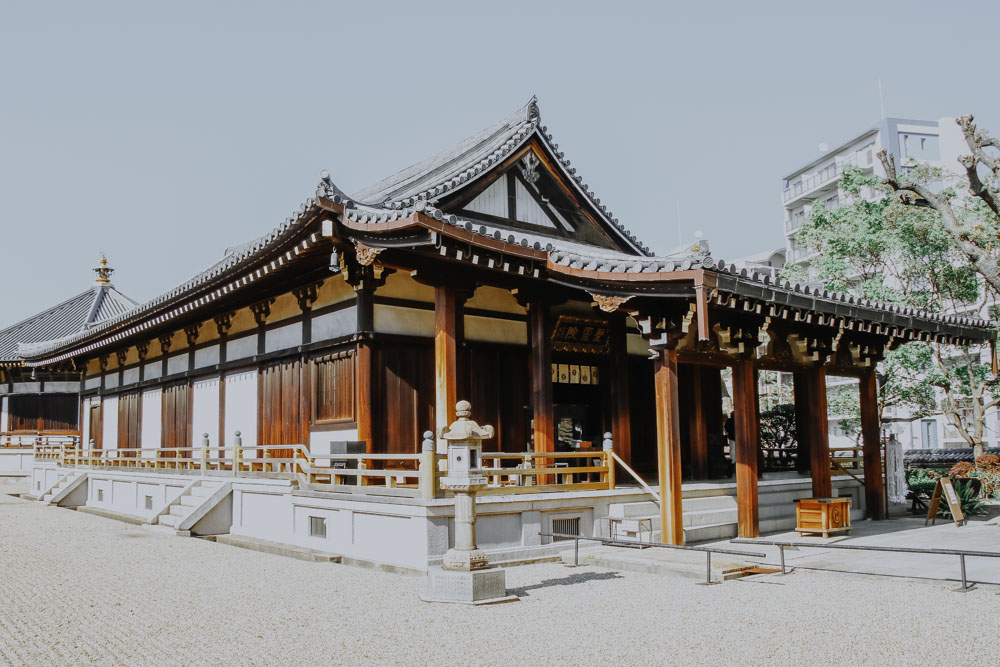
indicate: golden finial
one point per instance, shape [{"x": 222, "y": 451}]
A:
[{"x": 103, "y": 271}]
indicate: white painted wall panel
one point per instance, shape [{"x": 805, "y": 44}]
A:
[
  {"x": 111, "y": 380},
  {"x": 241, "y": 407},
  {"x": 333, "y": 325},
  {"x": 130, "y": 376},
  {"x": 109, "y": 423},
  {"x": 62, "y": 387},
  {"x": 283, "y": 338},
  {"x": 404, "y": 321},
  {"x": 528, "y": 209},
  {"x": 84, "y": 426},
  {"x": 92, "y": 383},
  {"x": 206, "y": 356},
  {"x": 205, "y": 413},
  {"x": 153, "y": 370},
  {"x": 152, "y": 422},
  {"x": 491, "y": 330},
  {"x": 492, "y": 200},
  {"x": 177, "y": 363},
  {"x": 241, "y": 348},
  {"x": 3, "y": 414}
]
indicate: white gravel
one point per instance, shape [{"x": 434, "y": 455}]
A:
[{"x": 77, "y": 588}]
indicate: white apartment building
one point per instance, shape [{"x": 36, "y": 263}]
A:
[{"x": 938, "y": 142}]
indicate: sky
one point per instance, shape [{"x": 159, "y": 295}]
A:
[{"x": 163, "y": 133}]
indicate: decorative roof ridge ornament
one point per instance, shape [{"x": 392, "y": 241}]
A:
[
  {"x": 103, "y": 271},
  {"x": 366, "y": 254},
  {"x": 326, "y": 188},
  {"x": 529, "y": 167},
  {"x": 609, "y": 303},
  {"x": 534, "y": 114}
]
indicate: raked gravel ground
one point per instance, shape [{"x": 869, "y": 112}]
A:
[{"x": 76, "y": 588}]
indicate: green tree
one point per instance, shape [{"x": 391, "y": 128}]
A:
[{"x": 877, "y": 247}]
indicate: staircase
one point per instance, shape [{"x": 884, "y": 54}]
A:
[
  {"x": 196, "y": 501},
  {"x": 63, "y": 487},
  {"x": 705, "y": 518}
]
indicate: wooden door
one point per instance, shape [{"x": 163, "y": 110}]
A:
[
  {"x": 281, "y": 414},
  {"x": 499, "y": 390},
  {"x": 405, "y": 392},
  {"x": 95, "y": 425},
  {"x": 176, "y": 420},
  {"x": 128, "y": 422}
]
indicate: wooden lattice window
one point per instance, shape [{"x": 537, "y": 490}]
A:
[{"x": 333, "y": 388}]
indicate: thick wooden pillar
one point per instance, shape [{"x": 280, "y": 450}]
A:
[
  {"x": 447, "y": 335},
  {"x": 803, "y": 429},
  {"x": 668, "y": 448},
  {"x": 747, "y": 429},
  {"x": 872, "y": 446},
  {"x": 698, "y": 429},
  {"x": 819, "y": 435},
  {"x": 621, "y": 416},
  {"x": 540, "y": 365},
  {"x": 364, "y": 368}
]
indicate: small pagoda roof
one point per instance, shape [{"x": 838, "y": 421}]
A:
[{"x": 74, "y": 315}]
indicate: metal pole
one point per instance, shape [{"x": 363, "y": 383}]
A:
[
  {"x": 965, "y": 586},
  {"x": 576, "y": 555},
  {"x": 708, "y": 567},
  {"x": 781, "y": 550}
]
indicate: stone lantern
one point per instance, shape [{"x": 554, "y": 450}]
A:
[{"x": 465, "y": 575}]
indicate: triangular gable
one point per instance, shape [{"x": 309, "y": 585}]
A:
[{"x": 526, "y": 191}]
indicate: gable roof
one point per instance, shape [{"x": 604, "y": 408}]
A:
[
  {"x": 470, "y": 159},
  {"x": 77, "y": 314}
]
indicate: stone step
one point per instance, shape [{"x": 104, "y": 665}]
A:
[
  {"x": 180, "y": 510},
  {"x": 712, "y": 531},
  {"x": 649, "y": 508},
  {"x": 170, "y": 520},
  {"x": 203, "y": 491},
  {"x": 192, "y": 501}
]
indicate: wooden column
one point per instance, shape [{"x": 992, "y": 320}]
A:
[
  {"x": 803, "y": 429},
  {"x": 621, "y": 415},
  {"x": 747, "y": 430},
  {"x": 447, "y": 334},
  {"x": 668, "y": 447},
  {"x": 540, "y": 370},
  {"x": 364, "y": 367},
  {"x": 819, "y": 436},
  {"x": 872, "y": 446},
  {"x": 698, "y": 427}
]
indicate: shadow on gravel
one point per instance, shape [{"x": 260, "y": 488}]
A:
[{"x": 572, "y": 579}]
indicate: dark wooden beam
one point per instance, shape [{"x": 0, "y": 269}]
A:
[
  {"x": 819, "y": 436},
  {"x": 698, "y": 427},
  {"x": 872, "y": 446},
  {"x": 747, "y": 428},
  {"x": 447, "y": 337},
  {"x": 668, "y": 447},
  {"x": 540, "y": 363},
  {"x": 621, "y": 417},
  {"x": 803, "y": 429}
]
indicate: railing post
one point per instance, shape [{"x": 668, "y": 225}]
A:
[
  {"x": 529, "y": 480},
  {"x": 90, "y": 452},
  {"x": 76, "y": 452},
  {"x": 361, "y": 478},
  {"x": 609, "y": 460},
  {"x": 204, "y": 452},
  {"x": 237, "y": 454},
  {"x": 428, "y": 466}
]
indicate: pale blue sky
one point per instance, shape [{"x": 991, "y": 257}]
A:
[{"x": 163, "y": 133}]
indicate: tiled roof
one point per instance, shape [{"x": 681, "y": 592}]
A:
[
  {"x": 443, "y": 174},
  {"x": 942, "y": 457},
  {"x": 73, "y": 316}
]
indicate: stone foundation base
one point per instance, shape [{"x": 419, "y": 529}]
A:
[{"x": 466, "y": 586}]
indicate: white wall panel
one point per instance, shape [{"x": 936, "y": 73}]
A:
[
  {"x": 111, "y": 380},
  {"x": 130, "y": 376},
  {"x": 109, "y": 423},
  {"x": 206, "y": 356},
  {"x": 177, "y": 363},
  {"x": 528, "y": 209},
  {"x": 3, "y": 414},
  {"x": 152, "y": 422},
  {"x": 492, "y": 200},
  {"x": 241, "y": 407},
  {"x": 283, "y": 338},
  {"x": 92, "y": 383},
  {"x": 241, "y": 348},
  {"x": 152, "y": 370},
  {"x": 205, "y": 413},
  {"x": 336, "y": 324}
]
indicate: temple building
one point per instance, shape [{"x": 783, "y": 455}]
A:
[
  {"x": 286, "y": 393},
  {"x": 44, "y": 400}
]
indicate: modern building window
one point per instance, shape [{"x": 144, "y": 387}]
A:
[
  {"x": 928, "y": 434},
  {"x": 317, "y": 526}
]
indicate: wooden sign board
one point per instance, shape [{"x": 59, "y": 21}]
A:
[{"x": 945, "y": 488}]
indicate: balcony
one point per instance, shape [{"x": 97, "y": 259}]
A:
[{"x": 823, "y": 177}]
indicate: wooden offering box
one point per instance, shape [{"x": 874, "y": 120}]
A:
[{"x": 823, "y": 515}]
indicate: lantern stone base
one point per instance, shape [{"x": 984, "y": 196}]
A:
[{"x": 485, "y": 586}]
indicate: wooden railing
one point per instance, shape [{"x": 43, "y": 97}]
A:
[
  {"x": 392, "y": 474},
  {"x": 29, "y": 440}
]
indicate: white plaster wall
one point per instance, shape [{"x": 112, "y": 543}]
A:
[
  {"x": 27, "y": 387},
  {"x": 404, "y": 321},
  {"x": 152, "y": 422},
  {"x": 205, "y": 412},
  {"x": 109, "y": 424},
  {"x": 62, "y": 387},
  {"x": 636, "y": 344},
  {"x": 130, "y": 376},
  {"x": 335, "y": 324},
  {"x": 206, "y": 356},
  {"x": 3, "y": 414},
  {"x": 177, "y": 363},
  {"x": 241, "y": 408},
  {"x": 111, "y": 380},
  {"x": 283, "y": 338},
  {"x": 126, "y": 492},
  {"x": 85, "y": 426},
  {"x": 152, "y": 370},
  {"x": 241, "y": 348},
  {"x": 92, "y": 383}
]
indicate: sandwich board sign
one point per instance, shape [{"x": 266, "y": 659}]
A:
[{"x": 945, "y": 488}]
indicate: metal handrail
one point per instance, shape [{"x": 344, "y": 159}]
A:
[
  {"x": 961, "y": 553},
  {"x": 650, "y": 545},
  {"x": 642, "y": 483}
]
